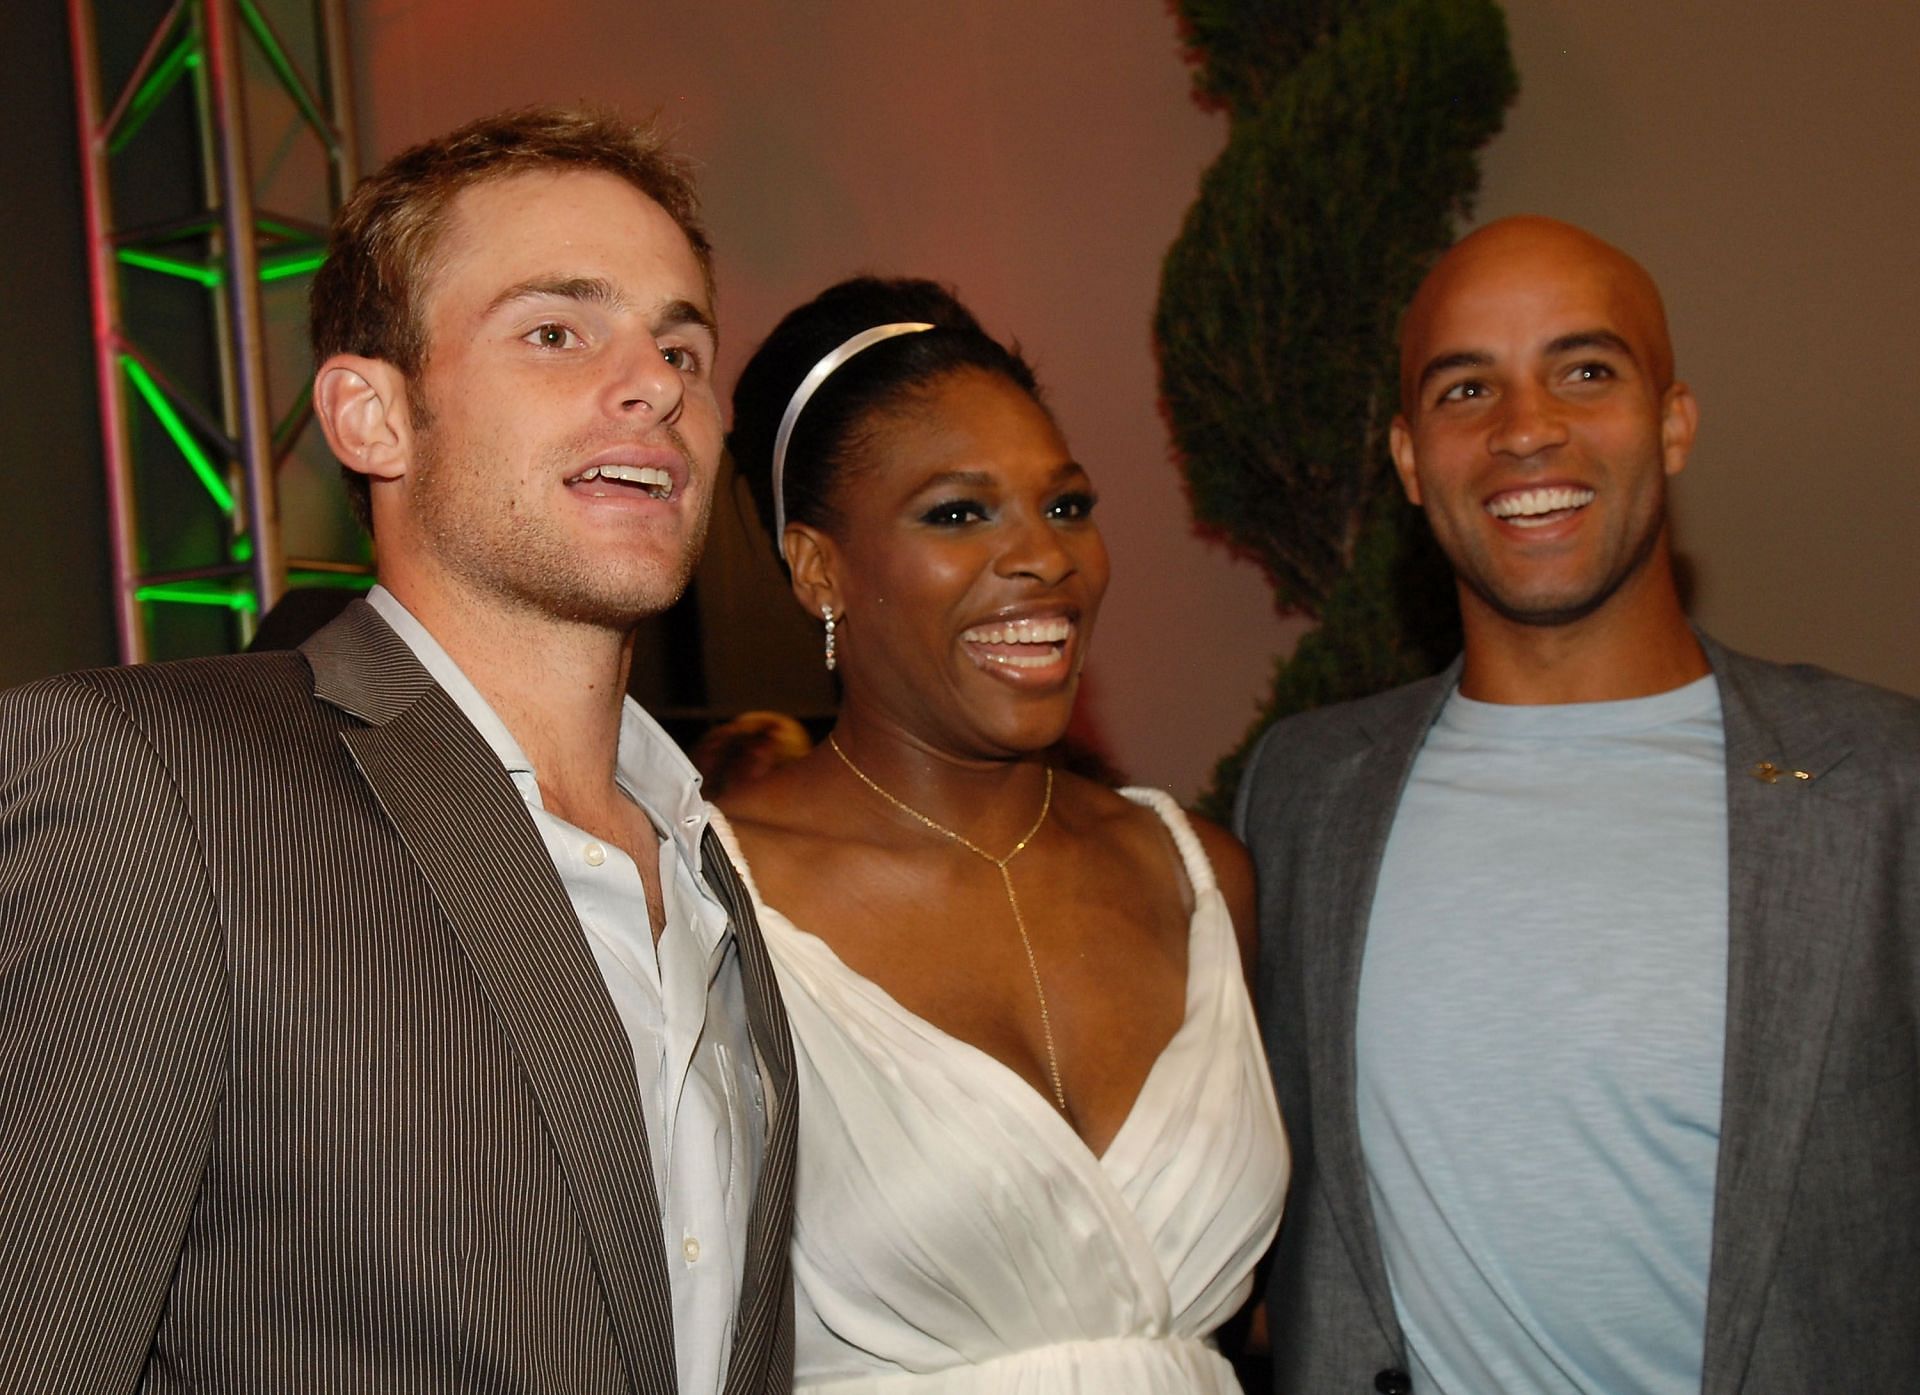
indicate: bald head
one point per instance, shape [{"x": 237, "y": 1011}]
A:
[
  {"x": 1540, "y": 268},
  {"x": 1540, "y": 421}
]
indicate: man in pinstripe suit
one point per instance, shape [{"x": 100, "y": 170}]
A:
[{"x": 383, "y": 1016}]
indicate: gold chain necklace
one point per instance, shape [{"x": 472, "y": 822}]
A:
[{"x": 1006, "y": 880}]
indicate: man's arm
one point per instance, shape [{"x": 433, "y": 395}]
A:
[{"x": 112, "y": 1037}]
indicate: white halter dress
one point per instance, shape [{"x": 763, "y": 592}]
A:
[{"x": 953, "y": 1235}]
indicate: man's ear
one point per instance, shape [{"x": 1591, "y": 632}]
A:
[
  {"x": 1400, "y": 442},
  {"x": 362, "y": 406},
  {"x": 1679, "y": 420},
  {"x": 811, "y": 559}
]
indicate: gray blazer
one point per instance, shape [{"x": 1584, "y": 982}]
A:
[
  {"x": 1817, "y": 1213},
  {"x": 308, "y": 1079}
]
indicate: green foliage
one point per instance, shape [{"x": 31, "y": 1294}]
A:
[
  {"x": 1390, "y": 619},
  {"x": 1355, "y": 128},
  {"x": 1241, "y": 48}
]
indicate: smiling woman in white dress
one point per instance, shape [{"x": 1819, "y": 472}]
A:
[{"x": 1039, "y": 1148}]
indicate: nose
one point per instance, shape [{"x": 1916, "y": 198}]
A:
[
  {"x": 1529, "y": 421},
  {"x": 1036, "y": 549},
  {"x": 643, "y": 382}
]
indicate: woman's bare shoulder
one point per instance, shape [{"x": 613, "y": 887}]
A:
[
  {"x": 1142, "y": 830},
  {"x": 782, "y": 819}
]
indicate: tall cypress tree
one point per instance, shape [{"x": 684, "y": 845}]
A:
[{"x": 1352, "y": 152}]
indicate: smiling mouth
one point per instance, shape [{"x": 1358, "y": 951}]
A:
[
  {"x": 649, "y": 479},
  {"x": 1020, "y": 643},
  {"x": 1536, "y": 508}
]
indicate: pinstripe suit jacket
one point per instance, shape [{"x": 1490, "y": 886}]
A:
[
  {"x": 308, "y": 1080},
  {"x": 1817, "y": 1197}
]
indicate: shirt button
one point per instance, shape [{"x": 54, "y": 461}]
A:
[
  {"x": 594, "y": 854},
  {"x": 690, "y": 1247}
]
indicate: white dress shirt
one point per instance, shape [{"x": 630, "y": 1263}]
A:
[{"x": 679, "y": 997}]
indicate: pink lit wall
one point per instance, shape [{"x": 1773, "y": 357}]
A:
[
  {"x": 1038, "y": 156},
  {"x": 1041, "y": 155}
]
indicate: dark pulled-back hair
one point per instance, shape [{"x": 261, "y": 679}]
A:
[
  {"x": 878, "y": 381},
  {"x": 368, "y": 297}
]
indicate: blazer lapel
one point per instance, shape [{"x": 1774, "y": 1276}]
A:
[
  {"x": 1792, "y": 867},
  {"x": 762, "y": 1355},
  {"x": 1362, "y": 797},
  {"x": 466, "y": 827}
]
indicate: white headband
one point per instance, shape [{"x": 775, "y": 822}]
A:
[{"x": 803, "y": 394}]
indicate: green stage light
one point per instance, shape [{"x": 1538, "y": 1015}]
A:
[
  {"x": 198, "y": 593},
  {"x": 277, "y": 268},
  {"x": 331, "y": 581},
  {"x": 283, "y": 68},
  {"x": 177, "y": 429},
  {"x": 291, "y": 264},
  {"x": 207, "y": 276},
  {"x": 184, "y": 55}
]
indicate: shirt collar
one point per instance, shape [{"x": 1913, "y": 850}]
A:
[{"x": 648, "y": 764}]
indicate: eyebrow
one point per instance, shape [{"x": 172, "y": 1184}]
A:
[
  {"x": 981, "y": 479},
  {"x": 589, "y": 290},
  {"x": 679, "y": 314},
  {"x": 597, "y": 290},
  {"x": 1447, "y": 363},
  {"x": 1591, "y": 339}
]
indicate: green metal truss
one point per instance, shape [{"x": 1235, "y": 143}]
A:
[{"x": 230, "y": 439}]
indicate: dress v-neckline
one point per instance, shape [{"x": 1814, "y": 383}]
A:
[{"x": 1034, "y": 1099}]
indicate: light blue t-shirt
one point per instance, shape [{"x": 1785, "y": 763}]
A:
[{"x": 1541, "y": 1023}]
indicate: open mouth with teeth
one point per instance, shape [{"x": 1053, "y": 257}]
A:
[
  {"x": 606, "y": 480},
  {"x": 1019, "y": 644},
  {"x": 1536, "y": 508}
]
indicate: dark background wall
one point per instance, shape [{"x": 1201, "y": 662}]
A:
[
  {"x": 54, "y": 609},
  {"x": 1762, "y": 157},
  {"x": 1755, "y": 153}
]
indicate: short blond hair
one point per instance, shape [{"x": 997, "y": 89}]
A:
[{"x": 368, "y": 297}]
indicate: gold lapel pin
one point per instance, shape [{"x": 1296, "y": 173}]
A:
[{"x": 1768, "y": 773}]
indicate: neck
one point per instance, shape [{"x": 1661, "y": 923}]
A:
[
  {"x": 991, "y": 802},
  {"x": 557, "y": 686},
  {"x": 1638, "y": 643}
]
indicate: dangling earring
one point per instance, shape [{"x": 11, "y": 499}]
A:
[{"x": 826, "y": 614}]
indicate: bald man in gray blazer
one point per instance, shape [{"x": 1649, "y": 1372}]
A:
[
  {"x": 1590, "y": 970},
  {"x": 383, "y": 1016}
]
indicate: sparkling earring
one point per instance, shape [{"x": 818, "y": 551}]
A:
[{"x": 826, "y": 614}]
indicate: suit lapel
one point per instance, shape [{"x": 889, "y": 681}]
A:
[
  {"x": 1363, "y": 795},
  {"x": 1792, "y": 869},
  {"x": 467, "y": 828},
  {"x": 762, "y": 1353}
]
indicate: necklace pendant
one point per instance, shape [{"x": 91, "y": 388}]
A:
[{"x": 1006, "y": 882}]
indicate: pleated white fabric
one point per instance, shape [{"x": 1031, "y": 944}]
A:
[{"x": 953, "y": 1234}]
